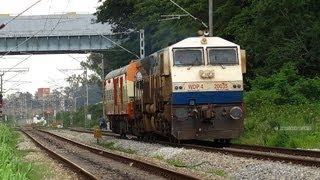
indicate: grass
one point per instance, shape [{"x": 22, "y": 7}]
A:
[
  {"x": 218, "y": 172},
  {"x": 40, "y": 170},
  {"x": 12, "y": 165},
  {"x": 159, "y": 157},
  {"x": 176, "y": 162},
  {"x": 291, "y": 126},
  {"x": 111, "y": 146}
]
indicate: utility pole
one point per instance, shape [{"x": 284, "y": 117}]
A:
[
  {"x": 3, "y": 71},
  {"x": 43, "y": 108},
  {"x": 75, "y": 109},
  {"x": 103, "y": 91},
  {"x": 1, "y": 96},
  {"x": 210, "y": 18},
  {"x": 1, "y": 82},
  {"x": 26, "y": 105},
  {"x": 87, "y": 97}
]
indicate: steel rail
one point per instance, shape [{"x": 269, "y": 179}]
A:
[
  {"x": 73, "y": 166},
  {"x": 295, "y": 156},
  {"x": 256, "y": 153},
  {"x": 152, "y": 168},
  {"x": 289, "y": 151}
]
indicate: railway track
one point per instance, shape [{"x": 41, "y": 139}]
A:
[
  {"x": 95, "y": 163},
  {"x": 294, "y": 156}
]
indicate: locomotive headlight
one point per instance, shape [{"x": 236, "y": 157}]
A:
[
  {"x": 239, "y": 86},
  {"x": 176, "y": 87},
  {"x": 192, "y": 102},
  {"x": 236, "y": 113}
]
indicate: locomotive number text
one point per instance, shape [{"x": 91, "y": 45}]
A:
[
  {"x": 220, "y": 86},
  {"x": 195, "y": 86}
]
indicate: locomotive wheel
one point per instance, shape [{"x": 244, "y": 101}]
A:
[
  {"x": 171, "y": 140},
  {"x": 146, "y": 138},
  {"x": 222, "y": 142},
  {"x": 174, "y": 140},
  {"x": 140, "y": 137},
  {"x": 122, "y": 129},
  {"x": 152, "y": 138}
]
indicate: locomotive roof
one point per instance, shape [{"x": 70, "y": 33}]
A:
[
  {"x": 117, "y": 72},
  {"x": 188, "y": 42},
  {"x": 196, "y": 41}
]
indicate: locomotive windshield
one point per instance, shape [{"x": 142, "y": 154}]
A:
[
  {"x": 220, "y": 56},
  {"x": 188, "y": 57}
]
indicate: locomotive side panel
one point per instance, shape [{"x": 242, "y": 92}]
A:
[
  {"x": 119, "y": 97},
  {"x": 153, "y": 94},
  {"x": 109, "y": 97}
]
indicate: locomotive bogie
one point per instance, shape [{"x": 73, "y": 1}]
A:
[{"x": 207, "y": 122}]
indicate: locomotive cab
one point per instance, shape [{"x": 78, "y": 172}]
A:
[{"x": 207, "y": 89}]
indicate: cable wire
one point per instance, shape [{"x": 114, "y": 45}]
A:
[
  {"x": 118, "y": 45},
  {"x": 45, "y": 24},
  {"x": 59, "y": 21},
  {"x": 25, "y": 59},
  {"x": 195, "y": 18},
  {"x": 12, "y": 77},
  {"x": 5, "y": 24}
]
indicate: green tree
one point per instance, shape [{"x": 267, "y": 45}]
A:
[{"x": 276, "y": 32}]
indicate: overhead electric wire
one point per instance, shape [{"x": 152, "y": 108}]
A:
[
  {"x": 59, "y": 21},
  {"x": 195, "y": 18},
  {"x": 51, "y": 31},
  {"x": 118, "y": 45},
  {"x": 12, "y": 77},
  {"x": 16, "y": 85},
  {"x": 45, "y": 24},
  {"x": 5, "y": 24},
  {"x": 25, "y": 59},
  {"x": 74, "y": 58},
  {"x": 18, "y": 63}
]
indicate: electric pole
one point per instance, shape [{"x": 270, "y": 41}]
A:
[
  {"x": 87, "y": 97},
  {"x": 1, "y": 82},
  {"x": 210, "y": 18},
  {"x": 1, "y": 96},
  {"x": 103, "y": 91},
  {"x": 3, "y": 71}
]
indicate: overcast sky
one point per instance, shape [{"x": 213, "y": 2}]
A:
[{"x": 43, "y": 68}]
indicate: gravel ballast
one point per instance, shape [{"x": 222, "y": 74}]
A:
[
  {"x": 56, "y": 171},
  {"x": 210, "y": 165}
]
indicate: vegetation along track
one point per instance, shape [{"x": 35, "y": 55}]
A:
[
  {"x": 295, "y": 156},
  {"x": 88, "y": 160}
]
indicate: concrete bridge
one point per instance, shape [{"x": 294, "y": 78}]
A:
[{"x": 54, "y": 34}]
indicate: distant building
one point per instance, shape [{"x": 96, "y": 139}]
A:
[{"x": 42, "y": 93}]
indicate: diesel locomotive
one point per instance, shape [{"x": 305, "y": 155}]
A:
[{"x": 190, "y": 90}]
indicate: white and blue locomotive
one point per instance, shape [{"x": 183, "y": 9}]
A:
[{"x": 190, "y": 90}]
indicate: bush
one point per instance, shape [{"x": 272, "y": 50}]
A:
[
  {"x": 286, "y": 125},
  {"x": 284, "y": 87},
  {"x": 78, "y": 117}
]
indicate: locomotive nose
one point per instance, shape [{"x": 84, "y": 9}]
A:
[{"x": 236, "y": 113}]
